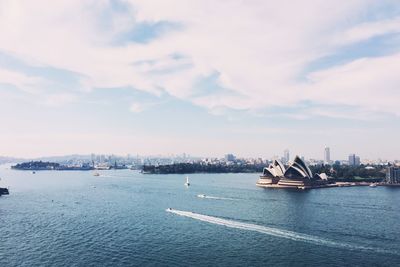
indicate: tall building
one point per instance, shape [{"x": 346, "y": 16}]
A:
[
  {"x": 357, "y": 161},
  {"x": 327, "y": 155},
  {"x": 393, "y": 175},
  {"x": 286, "y": 155},
  {"x": 230, "y": 157},
  {"x": 354, "y": 160}
]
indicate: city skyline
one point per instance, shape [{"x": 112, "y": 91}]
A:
[
  {"x": 150, "y": 77},
  {"x": 351, "y": 159}
]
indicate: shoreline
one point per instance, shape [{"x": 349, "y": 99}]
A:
[{"x": 336, "y": 184}]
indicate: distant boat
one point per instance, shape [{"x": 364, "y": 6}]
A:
[
  {"x": 33, "y": 172},
  {"x": 96, "y": 174},
  {"x": 187, "y": 181},
  {"x": 4, "y": 191},
  {"x": 201, "y": 195},
  {"x": 373, "y": 185}
]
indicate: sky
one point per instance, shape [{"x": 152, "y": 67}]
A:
[{"x": 201, "y": 77}]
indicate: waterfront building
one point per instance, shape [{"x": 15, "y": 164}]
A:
[
  {"x": 272, "y": 173},
  {"x": 327, "y": 155},
  {"x": 296, "y": 175},
  {"x": 393, "y": 175}
]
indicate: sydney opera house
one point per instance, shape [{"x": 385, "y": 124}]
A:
[{"x": 296, "y": 175}]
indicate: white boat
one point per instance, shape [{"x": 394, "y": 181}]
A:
[
  {"x": 373, "y": 185},
  {"x": 187, "y": 181},
  {"x": 96, "y": 174},
  {"x": 201, "y": 195}
]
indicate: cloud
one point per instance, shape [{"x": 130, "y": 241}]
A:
[
  {"x": 20, "y": 81},
  {"x": 370, "y": 83},
  {"x": 136, "y": 107},
  {"x": 258, "y": 48},
  {"x": 61, "y": 99},
  {"x": 369, "y": 30}
]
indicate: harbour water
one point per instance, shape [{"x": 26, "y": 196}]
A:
[{"x": 121, "y": 218}]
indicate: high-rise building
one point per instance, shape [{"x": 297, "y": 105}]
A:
[
  {"x": 354, "y": 160},
  {"x": 393, "y": 175},
  {"x": 357, "y": 161},
  {"x": 286, "y": 155},
  {"x": 327, "y": 155},
  {"x": 230, "y": 157}
]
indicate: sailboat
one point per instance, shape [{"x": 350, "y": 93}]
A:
[{"x": 187, "y": 181}]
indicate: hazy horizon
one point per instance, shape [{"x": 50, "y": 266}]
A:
[{"x": 200, "y": 77}]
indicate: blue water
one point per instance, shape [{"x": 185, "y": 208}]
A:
[{"x": 120, "y": 219}]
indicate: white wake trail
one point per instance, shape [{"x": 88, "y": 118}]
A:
[
  {"x": 274, "y": 231},
  {"x": 213, "y": 197}
]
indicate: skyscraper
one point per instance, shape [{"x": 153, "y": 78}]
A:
[
  {"x": 354, "y": 160},
  {"x": 357, "y": 161},
  {"x": 286, "y": 155},
  {"x": 327, "y": 155},
  {"x": 230, "y": 157}
]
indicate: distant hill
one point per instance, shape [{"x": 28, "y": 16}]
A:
[
  {"x": 64, "y": 158},
  {"x": 4, "y": 160}
]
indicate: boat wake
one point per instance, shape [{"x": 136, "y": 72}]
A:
[
  {"x": 276, "y": 232},
  {"x": 212, "y": 197}
]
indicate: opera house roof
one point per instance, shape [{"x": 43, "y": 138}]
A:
[
  {"x": 296, "y": 175},
  {"x": 275, "y": 169},
  {"x": 298, "y": 170}
]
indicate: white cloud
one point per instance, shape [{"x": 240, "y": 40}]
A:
[
  {"x": 59, "y": 99},
  {"x": 370, "y": 83},
  {"x": 368, "y": 30},
  {"x": 136, "y": 107},
  {"x": 20, "y": 81},
  {"x": 259, "y": 48}
]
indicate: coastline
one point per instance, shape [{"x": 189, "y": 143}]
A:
[{"x": 332, "y": 185}]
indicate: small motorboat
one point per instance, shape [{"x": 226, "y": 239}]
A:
[
  {"x": 96, "y": 174},
  {"x": 201, "y": 195},
  {"x": 187, "y": 181},
  {"x": 33, "y": 172},
  {"x": 4, "y": 191},
  {"x": 373, "y": 185}
]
